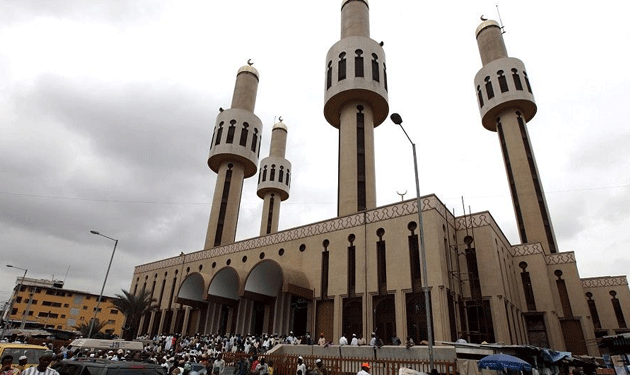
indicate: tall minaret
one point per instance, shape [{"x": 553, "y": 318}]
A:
[
  {"x": 233, "y": 156},
  {"x": 274, "y": 179},
  {"x": 506, "y": 104},
  {"x": 355, "y": 103}
]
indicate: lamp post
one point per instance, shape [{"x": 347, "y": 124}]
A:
[
  {"x": 8, "y": 314},
  {"x": 396, "y": 119},
  {"x": 104, "y": 281}
]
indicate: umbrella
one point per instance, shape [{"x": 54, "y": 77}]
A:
[{"x": 503, "y": 361}]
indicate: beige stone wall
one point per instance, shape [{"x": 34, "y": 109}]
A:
[{"x": 497, "y": 260}]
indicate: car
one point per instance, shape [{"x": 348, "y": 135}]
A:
[
  {"x": 92, "y": 366},
  {"x": 32, "y": 352}
]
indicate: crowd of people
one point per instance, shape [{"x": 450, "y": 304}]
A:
[{"x": 197, "y": 354}]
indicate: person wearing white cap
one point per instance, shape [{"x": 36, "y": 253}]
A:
[
  {"x": 355, "y": 340},
  {"x": 22, "y": 361},
  {"x": 301, "y": 367},
  {"x": 320, "y": 369}
]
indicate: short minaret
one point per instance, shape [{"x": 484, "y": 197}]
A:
[
  {"x": 355, "y": 103},
  {"x": 506, "y": 104},
  {"x": 274, "y": 179},
  {"x": 233, "y": 156}
]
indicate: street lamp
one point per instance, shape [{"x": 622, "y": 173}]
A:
[
  {"x": 396, "y": 119},
  {"x": 104, "y": 281},
  {"x": 8, "y": 314}
]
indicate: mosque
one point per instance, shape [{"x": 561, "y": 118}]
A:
[{"x": 344, "y": 275}]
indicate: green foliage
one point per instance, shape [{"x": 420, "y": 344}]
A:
[
  {"x": 84, "y": 328},
  {"x": 133, "y": 307}
]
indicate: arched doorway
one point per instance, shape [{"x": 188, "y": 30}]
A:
[
  {"x": 263, "y": 285},
  {"x": 385, "y": 317},
  {"x": 223, "y": 292}
]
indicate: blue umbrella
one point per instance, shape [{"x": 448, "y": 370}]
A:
[{"x": 503, "y": 361}]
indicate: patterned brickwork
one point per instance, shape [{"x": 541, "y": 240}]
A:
[
  {"x": 560, "y": 258},
  {"x": 606, "y": 281},
  {"x": 526, "y": 249},
  {"x": 475, "y": 221},
  {"x": 408, "y": 207}
]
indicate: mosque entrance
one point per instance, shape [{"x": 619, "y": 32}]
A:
[
  {"x": 385, "y": 317},
  {"x": 325, "y": 319},
  {"x": 352, "y": 321},
  {"x": 223, "y": 319},
  {"x": 299, "y": 312},
  {"x": 258, "y": 318},
  {"x": 417, "y": 317}
]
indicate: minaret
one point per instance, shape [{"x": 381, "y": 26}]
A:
[
  {"x": 355, "y": 103},
  {"x": 274, "y": 179},
  {"x": 233, "y": 156},
  {"x": 506, "y": 104}
]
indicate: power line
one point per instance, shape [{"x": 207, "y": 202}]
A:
[{"x": 209, "y": 203}]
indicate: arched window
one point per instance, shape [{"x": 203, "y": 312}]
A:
[
  {"x": 489, "y": 89},
  {"x": 341, "y": 67},
  {"x": 264, "y": 176},
  {"x": 529, "y": 87},
  {"x": 503, "y": 86},
  {"x": 231, "y": 130},
  {"x": 329, "y": 75},
  {"x": 517, "y": 79},
  {"x": 254, "y": 140},
  {"x": 272, "y": 175},
  {"x": 219, "y": 133},
  {"x": 244, "y": 132},
  {"x": 375, "y": 73},
  {"x": 281, "y": 174},
  {"x": 479, "y": 96},
  {"x": 385, "y": 76},
  {"x": 358, "y": 63}
]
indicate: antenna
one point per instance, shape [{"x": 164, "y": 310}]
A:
[
  {"x": 64, "y": 278},
  {"x": 500, "y": 20}
]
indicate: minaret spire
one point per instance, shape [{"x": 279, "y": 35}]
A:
[
  {"x": 355, "y": 103},
  {"x": 506, "y": 104},
  {"x": 274, "y": 179},
  {"x": 233, "y": 156}
]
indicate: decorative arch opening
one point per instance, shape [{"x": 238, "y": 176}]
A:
[{"x": 191, "y": 290}]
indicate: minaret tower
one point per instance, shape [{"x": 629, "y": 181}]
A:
[
  {"x": 233, "y": 156},
  {"x": 274, "y": 179},
  {"x": 355, "y": 103},
  {"x": 506, "y": 104}
]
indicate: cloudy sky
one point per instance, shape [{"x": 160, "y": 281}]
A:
[{"x": 107, "y": 110}]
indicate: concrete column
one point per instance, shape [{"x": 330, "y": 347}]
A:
[
  {"x": 401, "y": 313},
  {"x": 151, "y": 322},
  {"x": 140, "y": 325},
  {"x": 225, "y": 205},
  {"x": 161, "y": 325},
  {"x": 357, "y": 183},
  {"x": 173, "y": 319},
  {"x": 186, "y": 318},
  {"x": 528, "y": 197}
]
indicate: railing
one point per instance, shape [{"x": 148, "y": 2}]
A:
[{"x": 285, "y": 364}]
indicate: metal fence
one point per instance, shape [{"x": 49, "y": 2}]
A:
[{"x": 285, "y": 364}]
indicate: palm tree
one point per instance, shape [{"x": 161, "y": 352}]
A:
[
  {"x": 133, "y": 307},
  {"x": 84, "y": 328}
]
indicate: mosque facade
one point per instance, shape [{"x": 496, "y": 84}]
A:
[{"x": 360, "y": 272}]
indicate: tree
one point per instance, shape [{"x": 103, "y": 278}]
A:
[
  {"x": 133, "y": 307},
  {"x": 84, "y": 328}
]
